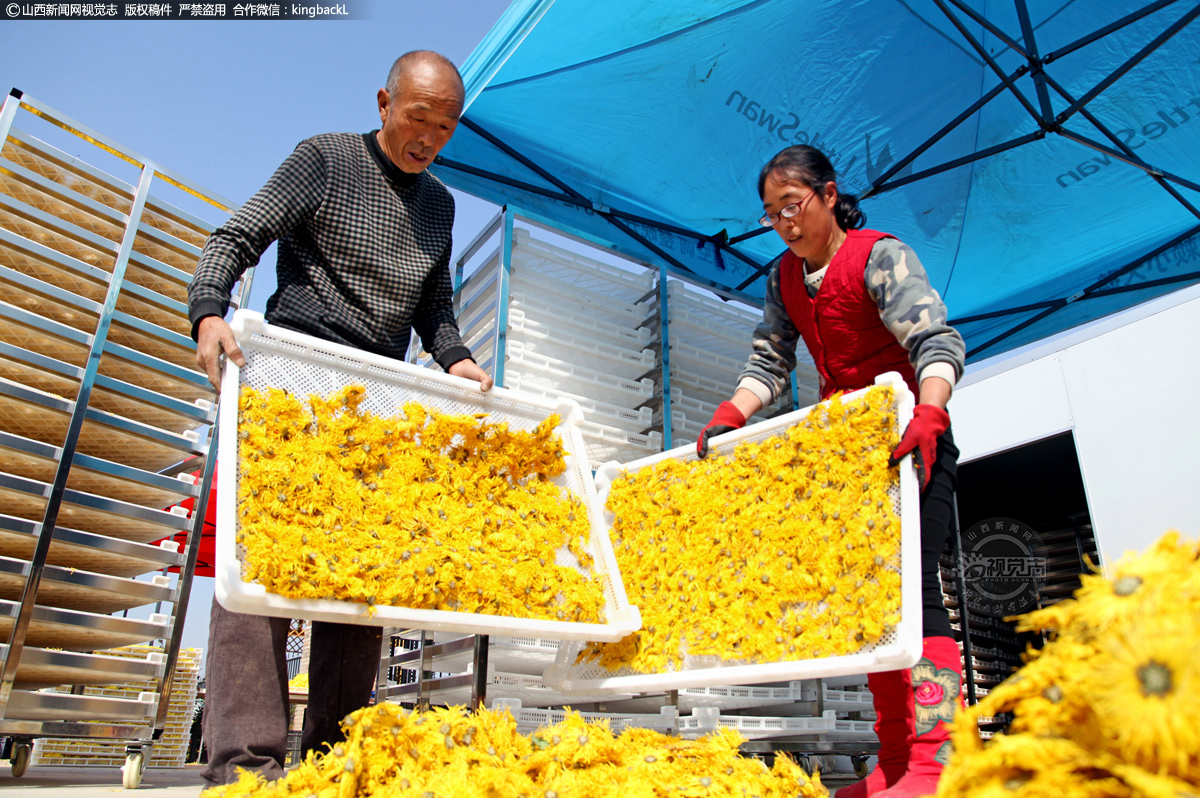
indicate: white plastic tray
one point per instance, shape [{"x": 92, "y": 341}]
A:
[
  {"x": 530, "y": 689},
  {"x": 693, "y": 383},
  {"x": 704, "y": 720},
  {"x": 690, "y": 328},
  {"x": 571, "y": 300},
  {"x": 666, "y": 720},
  {"x": 305, "y": 365},
  {"x": 715, "y": 311},
  {"x": 526, "y": 655},
  {"x": 532, "y": 317},
  {"x": 529, "y": 314},
  {"x": 608, "y": 443},
  {"x": 599, "y": 412},
  {"x": 690, "y": 362},
  {"x": 900, "y": 648},
  {"x": 558, "y": 375},
  {"x": 573, "y": 267},
  {"x": 591, "y": 354}
]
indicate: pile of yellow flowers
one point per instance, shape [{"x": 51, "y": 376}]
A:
[
  {"x": 1110, "y": 706},
  {"x": 298, "y": 682},
  {"x": 423, "y": 510},
  {"x": 787, "y": 549},
  {"x": 448, "y": 753}
]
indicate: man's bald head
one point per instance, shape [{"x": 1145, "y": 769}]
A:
[{"x": 425, "y": 61}]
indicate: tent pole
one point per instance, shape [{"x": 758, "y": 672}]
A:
[
  {"x": 966, "y": 159},
  {"x": 997, "y": 314},
  {"x": 1155, "y": 174},
  {"x": 1136, "y": 162},
  {"x": 1154, "y": 253},
  {"x": 1125, "y": 289},
  {"x": 992, "y": 28},
  {"x": 583, "y": 202},
  {"x": 1058, "y": 304},
  {"x": 1039, "y": 76},
  {"x": 762, "y": 270},
  {"x": 604, "y": 212},
  {"x": 991, "y": 62},
  {"x": 1107, "y": 29},
  {"x": 879, "y": 185},
  {"x": 1133, "y": 61},
  {"x": 557, "y": 226},
  {"x": 1091, "y": 290},
  {"x": 664, "y": 332},
  {"x": 501, "y": 348}
]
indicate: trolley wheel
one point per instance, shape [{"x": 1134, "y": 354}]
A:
[
  {"x": 131, "y": 771},
  {"x": 21, "y": 754},
  {"x": 808, "y": 764},
  {"x": 860, "y": 766}
]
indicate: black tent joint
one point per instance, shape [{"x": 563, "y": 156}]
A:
[{"x": 1046, "y": 121}]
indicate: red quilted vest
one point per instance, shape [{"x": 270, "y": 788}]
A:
[{"x": 841, "y": 326}]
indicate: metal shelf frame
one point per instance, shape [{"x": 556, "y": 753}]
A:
[{"x": 152, "y": 254}]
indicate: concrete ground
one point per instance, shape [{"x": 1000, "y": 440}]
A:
[{"x": 60, "y": 782}]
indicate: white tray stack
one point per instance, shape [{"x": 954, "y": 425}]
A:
[
  {"x": 575, "y": 329},
  {"x": 709, "y": 343},
  {"x": 815, "y": 709},
  {"x": 96, "y": 253}
]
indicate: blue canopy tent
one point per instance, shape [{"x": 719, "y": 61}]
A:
[{"x": 1041, "y": 156}]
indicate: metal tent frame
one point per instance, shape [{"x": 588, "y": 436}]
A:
[{"x": 1045, "y": 121}]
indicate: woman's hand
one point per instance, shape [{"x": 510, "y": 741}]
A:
[
  {"x": 730, "y": 415},
  {"x": 920, "y": 437}
]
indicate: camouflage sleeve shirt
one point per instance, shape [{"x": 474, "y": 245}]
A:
[{"x": 908, "y": 306}]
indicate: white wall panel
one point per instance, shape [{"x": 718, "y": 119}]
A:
[
  {"x": 1133, "y": 395},
  {"x": 1010, "y": 409},
  {"x": 1129, "y": 395}
]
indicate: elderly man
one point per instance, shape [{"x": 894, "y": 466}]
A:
[{"x": 364, "y": 252}]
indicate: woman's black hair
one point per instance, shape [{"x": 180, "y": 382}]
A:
[{"x": 809, "y": 166}]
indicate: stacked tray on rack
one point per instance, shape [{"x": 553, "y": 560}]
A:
[
  {"x": 68, "y": 299},
  {"x": 709, "y": 343},
  {"x": 170, "y": 749},
  {"x": 574, "y": 329}
]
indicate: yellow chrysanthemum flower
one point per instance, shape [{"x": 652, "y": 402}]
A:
[
  {"x": 447, "y": 753},
  {"x": 786, "y": 549},
  {"x": 423, "y": 510},
  {"x": 1145, "y": 689},
  {"x": 1108, "y": 706}
]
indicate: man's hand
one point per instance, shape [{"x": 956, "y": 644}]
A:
[
  {"x": 920, "y": 438},
  {"x": 213, "y": 338},
  {"x": 726, "y": 419},
  {"x": 470, "y": 370}
]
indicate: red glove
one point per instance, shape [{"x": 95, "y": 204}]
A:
[
  {"x": 726, "y": 419},
  {"x": 920, "y": 438}
]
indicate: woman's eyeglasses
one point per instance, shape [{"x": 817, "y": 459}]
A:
[{"x": 786, "y": 212}]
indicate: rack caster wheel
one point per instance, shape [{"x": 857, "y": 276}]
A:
[
  {"x": 21, "y": 753},
  {"x": 132, "y": 770},
  {"x": 860, "y": 766},
  {"x": 809, "y": 765}
]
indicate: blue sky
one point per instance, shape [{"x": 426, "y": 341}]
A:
[{"x": 223, "y": 103}]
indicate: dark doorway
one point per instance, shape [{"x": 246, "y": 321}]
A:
[{"x": 1037, "y": 488}]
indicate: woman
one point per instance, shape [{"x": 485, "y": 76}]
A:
[{"x": 862, "y": 302}]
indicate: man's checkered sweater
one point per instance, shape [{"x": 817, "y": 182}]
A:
[{"x": 364, "y": 250}]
